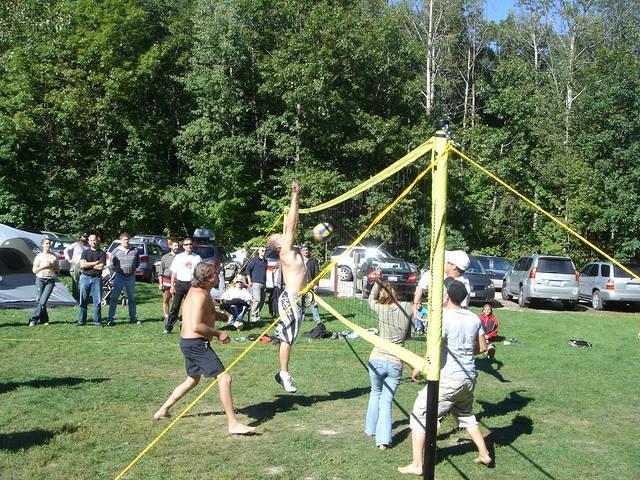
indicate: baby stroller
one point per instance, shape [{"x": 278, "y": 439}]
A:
[{"x": 107, "y": 288}]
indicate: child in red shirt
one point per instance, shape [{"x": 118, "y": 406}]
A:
[{"x": 490, "y": 325}]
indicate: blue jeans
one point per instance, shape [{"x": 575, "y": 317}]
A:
[
  {"x": 385, "y": 378},
  {"x": 93, "y": 286},
  {"x": 121, "y": 281},
  {"x": 237, "y": 312},
  {"x": 44, "y": 287}
]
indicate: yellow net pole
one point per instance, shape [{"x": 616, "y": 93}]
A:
[{"x": 434, "y": 332}]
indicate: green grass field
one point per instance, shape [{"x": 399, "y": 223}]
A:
[{"x": 77, "y": 403}]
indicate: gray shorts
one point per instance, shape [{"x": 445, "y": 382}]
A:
[{"x": 455, "y": 396}]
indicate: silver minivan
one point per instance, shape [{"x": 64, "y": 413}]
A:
[
  {"x": 603, "y": 283},
  {"x": 542, "y": 277}
]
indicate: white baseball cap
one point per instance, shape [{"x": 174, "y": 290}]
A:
[{"x": 457, "y": 258}]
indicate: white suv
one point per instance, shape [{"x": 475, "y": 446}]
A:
[{"x": 346, "y": 263}]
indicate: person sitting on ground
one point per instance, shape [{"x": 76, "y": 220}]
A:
[
  {"x": 236, "y": 299},
  {"x": 490, "y": 325},
  {"x": 462, "y": 338},
  {"x": 385, "y": 369},
  {"x": 198, "y": 328}
]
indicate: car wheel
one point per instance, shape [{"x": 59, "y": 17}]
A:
[
  {"x": 344, "y": 273},
  {"x": 596, "y": 301},
  {"x": 504, "y": 292},
  {"x": 522, "y": 299}
]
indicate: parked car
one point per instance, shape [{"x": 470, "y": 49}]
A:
[
  {"x": 402, "y": 274},
  {"x": 542, "y": 277},
  {"x": 52, "y": 235},
  {"x": 346, "y": 262},
  {"x": 603, "y": 283},
  {"x": 161, "y": 240},
  {"x": 482, "y": 287},
  {"x": 496, "y": 267},
  {"x": 58, "y": 246},
  {"x": 150, "y": 254}
]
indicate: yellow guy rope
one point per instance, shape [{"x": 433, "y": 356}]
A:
[
  {"x": 410, "y": 157},
  {"x": 324, "y": 271},
  {"x": 402, "y": 353},
  {"x": 199, "y": 397},
  {"x": 407, "y": 356},
  {"x": 541, "y": 210}
]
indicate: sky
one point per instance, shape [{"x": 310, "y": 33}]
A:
[{"x": 497, "y": 10}]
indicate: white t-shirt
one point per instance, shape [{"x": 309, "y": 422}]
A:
[
  {"x": 184, "y": 265},
  {"x": 460, "y": 331},
  {"x": 426, "y": 277}
]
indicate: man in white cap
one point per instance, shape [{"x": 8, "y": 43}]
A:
[{"x": 455, "y": 264}]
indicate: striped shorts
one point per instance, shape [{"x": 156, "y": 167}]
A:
[{"x": 290, "y": 317}]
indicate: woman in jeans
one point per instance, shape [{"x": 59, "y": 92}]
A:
[
  {"x": 385, "y": 369},
  {"x": 46, "y": 267}
]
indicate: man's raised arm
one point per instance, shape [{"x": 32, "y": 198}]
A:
[{"x": 292, "y": 218}]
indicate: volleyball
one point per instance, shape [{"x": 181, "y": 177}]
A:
[{"x": 322, "y": 232}]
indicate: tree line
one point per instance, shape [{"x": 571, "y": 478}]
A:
[{"x": 159, "y": 116}]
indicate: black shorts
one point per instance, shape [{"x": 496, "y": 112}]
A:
[{"x": 199, "y": 359}]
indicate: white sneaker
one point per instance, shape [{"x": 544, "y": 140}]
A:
[{"x": 286, "y": 382}]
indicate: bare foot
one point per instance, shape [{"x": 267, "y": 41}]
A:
[
  {"x": 160, "y": 414},
  {"x": 240, "y": 429},
  {"x": 411, "y": 469},
  {"x": 483, "y": 459},
  {"x": 382, "y": 447}
]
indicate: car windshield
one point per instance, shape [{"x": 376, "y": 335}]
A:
[
  {"x": 475, "y": 267},
  {"x": 502, "y": 264},
  {"x": 634, "y": 267},
  {"x": 390, "y": 264},
  {"x": 61, "y": 244},
  {"x": 555, "y": 265}
]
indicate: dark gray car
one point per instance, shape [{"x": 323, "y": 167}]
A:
[
  {"x": 496, "y": 267},
  {"x": 482, "y": 288}
]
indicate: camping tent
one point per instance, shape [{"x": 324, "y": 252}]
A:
[
  {"x": 7, "y": 232},
  {"x": 17, "y": 282}
]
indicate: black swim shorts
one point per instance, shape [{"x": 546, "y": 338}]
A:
[{"x": 199, "y": 359}]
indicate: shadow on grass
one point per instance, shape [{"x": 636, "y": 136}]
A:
[
  {"x": 264, "y": 411},
  {"x": 49, "y": 383},
  {"x": 513, "y": 403},
  {"x": 16, "y": 441},
  {"x": 491, "y": 367}
]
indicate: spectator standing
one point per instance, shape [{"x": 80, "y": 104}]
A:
[
  {"x": 313, "y": 269},
  {"x": 46, "y": 268},
  {"x": 462, "y": 338},
  {"x": 182, "y": 269},
  {"x": 455, "y": 264},
  {"x": 385, "y": 369},
  {"x": 92, "y": 263},
  {"x": 125, "y": 260},
  {"x": 256, "y": 271},
  {"x": 164, "y": 276},
  {"x": 72, "y": 255}
]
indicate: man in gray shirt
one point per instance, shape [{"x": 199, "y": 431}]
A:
[
  {"x": 124, "y": 262},
  {"x": 462, "y": 338}
]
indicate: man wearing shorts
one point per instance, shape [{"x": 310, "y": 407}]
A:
[
  {"x": 294, "y": 275},
  {"x": 164, "y": 276},
  {"x": 198, "y": 328},
  {"x": 462, "y": 338}
]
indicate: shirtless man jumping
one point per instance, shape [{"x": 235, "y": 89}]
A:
[
  {"x": 294, "y": 275},
  {"x": 198, "y": 328}
]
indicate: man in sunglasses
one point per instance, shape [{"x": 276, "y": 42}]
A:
[{"x": 182, "y": 268}]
